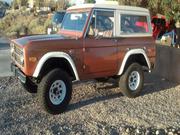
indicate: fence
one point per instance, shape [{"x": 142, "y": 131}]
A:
[{"x": 168, "y": 63}]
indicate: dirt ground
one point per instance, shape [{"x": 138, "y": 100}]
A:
[{"x": 96, "y": 108}]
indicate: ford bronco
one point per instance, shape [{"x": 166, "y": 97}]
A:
[{"x": 95, "y": 41}]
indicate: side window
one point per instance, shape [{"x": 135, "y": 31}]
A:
[
  {"x": 102, "y": 24},
  {"x": 132, "y": 24}
]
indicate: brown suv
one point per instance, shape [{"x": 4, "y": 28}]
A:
[{"x": 94, "y": 42}]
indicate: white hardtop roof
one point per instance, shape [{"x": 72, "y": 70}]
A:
[{"x": 109, "y": 6}]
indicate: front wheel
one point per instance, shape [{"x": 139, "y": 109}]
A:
[
  {"x": 54, "y": 91},
  {"x": 132, "y": 81}
]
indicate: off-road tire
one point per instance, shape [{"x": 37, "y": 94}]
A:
[
  {"x": 124, "y": 83},
  {"x": 44, "y": 91},
  {"x": 29, "y": 86}
]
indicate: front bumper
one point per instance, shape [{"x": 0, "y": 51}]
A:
[{"x": 18, "y": 73}]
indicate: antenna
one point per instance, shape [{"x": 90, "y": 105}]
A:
[
  {"x": 76, "y": 29},
  {"x": 78, "y": 18}
]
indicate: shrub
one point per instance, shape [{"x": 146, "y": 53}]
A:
[{"x": 19, "y": 20}]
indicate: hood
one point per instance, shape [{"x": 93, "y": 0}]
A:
[{"x": 25, "y": 40}]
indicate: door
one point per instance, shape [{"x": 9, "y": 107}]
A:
[{"x": 100, "y": 47}]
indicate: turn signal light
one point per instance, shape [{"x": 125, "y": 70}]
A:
[{"x": 32, "y": 59}]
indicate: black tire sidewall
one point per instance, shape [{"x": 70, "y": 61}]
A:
[
  {"x": 50, "y": 78},
  {"x": 29, "y": 86},
  {"x": 125, "y": 81}
]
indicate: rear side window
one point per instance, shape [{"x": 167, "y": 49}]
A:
[{"x": 132, "y": 24}]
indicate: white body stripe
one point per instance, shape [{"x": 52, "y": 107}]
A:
[
  {"x": 55, "y": 55},
  {"x": 128, "y": 54}
]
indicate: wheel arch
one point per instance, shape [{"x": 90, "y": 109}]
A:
[
  {"x": 54, "y": 60},
  {"x": 135, "y": 55}
]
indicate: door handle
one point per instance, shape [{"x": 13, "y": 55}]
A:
[{"x": 84, "y": 49}]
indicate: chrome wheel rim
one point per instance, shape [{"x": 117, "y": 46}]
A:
[
  {"x": 57, "y": 92},
  {"x": 134, "y": 80}
]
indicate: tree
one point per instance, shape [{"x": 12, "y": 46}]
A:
[
  {"x": 173, "y": 13},
  {"x": 144, "y": 3},
  {"x": 4, "y": 5},
  {"x": 19, "y": 3},
  {"x": 156, "y": 6},
  {"x": 15, "y": 4},
  {"x": 24, "y": 2},
  {"x": 62, "y": 4},
  {"x": 52, "y": 3},
  {"x": 90, "y": 1},
  {"x": 39, "y": 3},
  {"x": 172, "y": 9}
]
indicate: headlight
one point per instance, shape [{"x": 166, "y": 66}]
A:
[
  {"x": 12, "y": 47},
  {"x": 12, "y": 50},
  {"x": 21, "y": 56},
  {"x": 17, "y": 54}
]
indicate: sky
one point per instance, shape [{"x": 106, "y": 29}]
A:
[{"x": 8, "y": 1}]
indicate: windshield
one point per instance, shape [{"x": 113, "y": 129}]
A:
[{"x": 74, "y": 21}]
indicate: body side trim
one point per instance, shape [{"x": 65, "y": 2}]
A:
[
  {"x": 55, "y": 55},
  {"x": 132, "y": 52}
]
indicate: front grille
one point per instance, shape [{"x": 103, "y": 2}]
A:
[
  {"x": 18, "y": 50},
  {"x": 17, "y": 53}
]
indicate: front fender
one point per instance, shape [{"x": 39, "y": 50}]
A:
[{"x": 55, "y": 55}]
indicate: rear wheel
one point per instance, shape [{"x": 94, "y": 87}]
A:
[
  {"x": 54, "y": 91},
  {"x": 131, "y": 82}
]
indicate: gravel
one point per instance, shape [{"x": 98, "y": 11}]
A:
[{"x": 96, "y": 108}]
